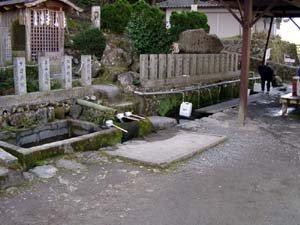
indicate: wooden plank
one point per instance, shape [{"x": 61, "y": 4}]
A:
[
  {"x": 200, "y": 59},
  {"x": 193, "y": 65},
  {"x": 222, "y": 62},
  {"x": 231, "y": 62},
  {"x": 205, "y": 64},
  {"x": 162, "y": 69},
  {"x": 178, "y": 65},
  {"x": 236, "y": 67},
  {"x": 212, "y": 109},
  {"x": 144, "y": 67},
  {"x": 211, "y": 63},
  {"x": 226, "y": 63},
  {"x": 171, "y": 66},
  {"x": 217, "y": 63},
  {"x": 186, "y": 64},
  {"x": 153, "y": 67}
]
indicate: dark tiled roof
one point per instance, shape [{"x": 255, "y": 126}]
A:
[{"x": 188, "y": 3}]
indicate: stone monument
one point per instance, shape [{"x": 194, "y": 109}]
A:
[{"x": 199, "y": 42}]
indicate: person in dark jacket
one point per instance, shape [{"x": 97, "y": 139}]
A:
[{"x": 267, "y": 74}]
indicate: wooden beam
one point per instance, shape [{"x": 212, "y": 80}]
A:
[
  {"x": 243, "y": 108},
  {"x": 295, "y": 23},
  {"x": 7, "y": 8},
  {"x": 270, "y": 6},
  {"x": 19, "y": 6},
  {"x": 240, "y": 9},
  {"x": 231, "y": 11}
]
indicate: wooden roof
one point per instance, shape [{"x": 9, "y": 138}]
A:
[
  {"x": 270, "y": 8},
  {"x": 10, "y": 4}
]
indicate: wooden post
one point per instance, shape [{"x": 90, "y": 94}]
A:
[{"x": 245, "y": 60}]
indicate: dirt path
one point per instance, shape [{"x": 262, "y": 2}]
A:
[{"x": 253, "y": 178}]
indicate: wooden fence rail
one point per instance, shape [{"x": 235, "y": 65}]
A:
[{"x": 159, "y": 70}]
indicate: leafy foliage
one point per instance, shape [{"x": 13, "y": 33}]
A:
[
  {"x": 146, "y": 28},
  {"x": 116, "y": 16},
  {"x": 7, "y": 80},
  {"x": 186, "y": 21},
  {"x": 90, "y": 42}
]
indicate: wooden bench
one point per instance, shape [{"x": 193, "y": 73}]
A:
[{"x": 287, "y": 100}]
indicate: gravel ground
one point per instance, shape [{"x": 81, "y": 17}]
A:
[{"x": 253, "y": 178}]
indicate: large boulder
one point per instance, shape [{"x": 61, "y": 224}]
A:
[
  {"x": 198, "y": 41},
  {"x": 127, "y": 78},
  {"x": 118, "y": 51}
]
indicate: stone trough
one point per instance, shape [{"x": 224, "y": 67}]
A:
[{"x": 35, "y": 144}]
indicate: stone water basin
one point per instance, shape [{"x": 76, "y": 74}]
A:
[{"x": 59, "y": 137}]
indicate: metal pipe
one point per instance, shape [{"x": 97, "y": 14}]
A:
[
  {"x": 267, "y": 43},
  {"x": 190, "y": 88}
]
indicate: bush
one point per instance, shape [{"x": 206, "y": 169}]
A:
[
  {"x": 146, "y": 29},
  {"x": 90, "y": 42},
  {"x": 185, "y": 21},
  {"x": 7, "y": 80},
  {"x": 116, "y": 16}
]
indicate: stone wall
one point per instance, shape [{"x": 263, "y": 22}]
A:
[
  {"x": 38, "y": 107},
  {"x": 169, "y": 104}
]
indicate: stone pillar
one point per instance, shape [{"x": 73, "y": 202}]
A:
[
  {"x": 86, "y": 70},
  {"x": 96, "y": 16},
  {"x": 67, "y": 71},
  {"x": 44, "y": 73},
  {"x": 20, "y": 76}
]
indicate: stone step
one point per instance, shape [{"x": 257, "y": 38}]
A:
[
  {"x": 3, "y": 175},
  {"x": 7, "y": 159},
  {"x": 111, "y": 92}
]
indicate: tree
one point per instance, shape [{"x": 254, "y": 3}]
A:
[
  {"x": 147, "y": 30},
  {"x": 116, "y": 16},
  {"x": 185, "y": 21}
]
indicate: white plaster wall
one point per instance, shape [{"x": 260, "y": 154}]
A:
[{"x": 221, "y": 22}]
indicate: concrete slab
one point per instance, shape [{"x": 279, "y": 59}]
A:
[{"x": 163, "y": 152}]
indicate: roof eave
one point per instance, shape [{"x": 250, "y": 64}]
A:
[{"x": 72, "y": 5}]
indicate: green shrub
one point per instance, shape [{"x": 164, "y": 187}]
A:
[
  {"x": 7, "y": 80},
  {"x": 90, "y": 42},
  {"x": 146, "y": 28},
  {"x": 185, "y": 21},
  {"x": 116, "y": 16}
]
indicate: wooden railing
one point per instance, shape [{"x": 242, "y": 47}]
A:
[{"x": 160, "y": 70}]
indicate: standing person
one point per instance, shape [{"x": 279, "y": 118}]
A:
[{"x": 266, "y": 73}]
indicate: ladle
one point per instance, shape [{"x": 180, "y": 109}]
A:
[
  {"x": 129, "y": 114},
  {"x": 110, "y": 123},
  {"x": 120, "y": 116}
]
